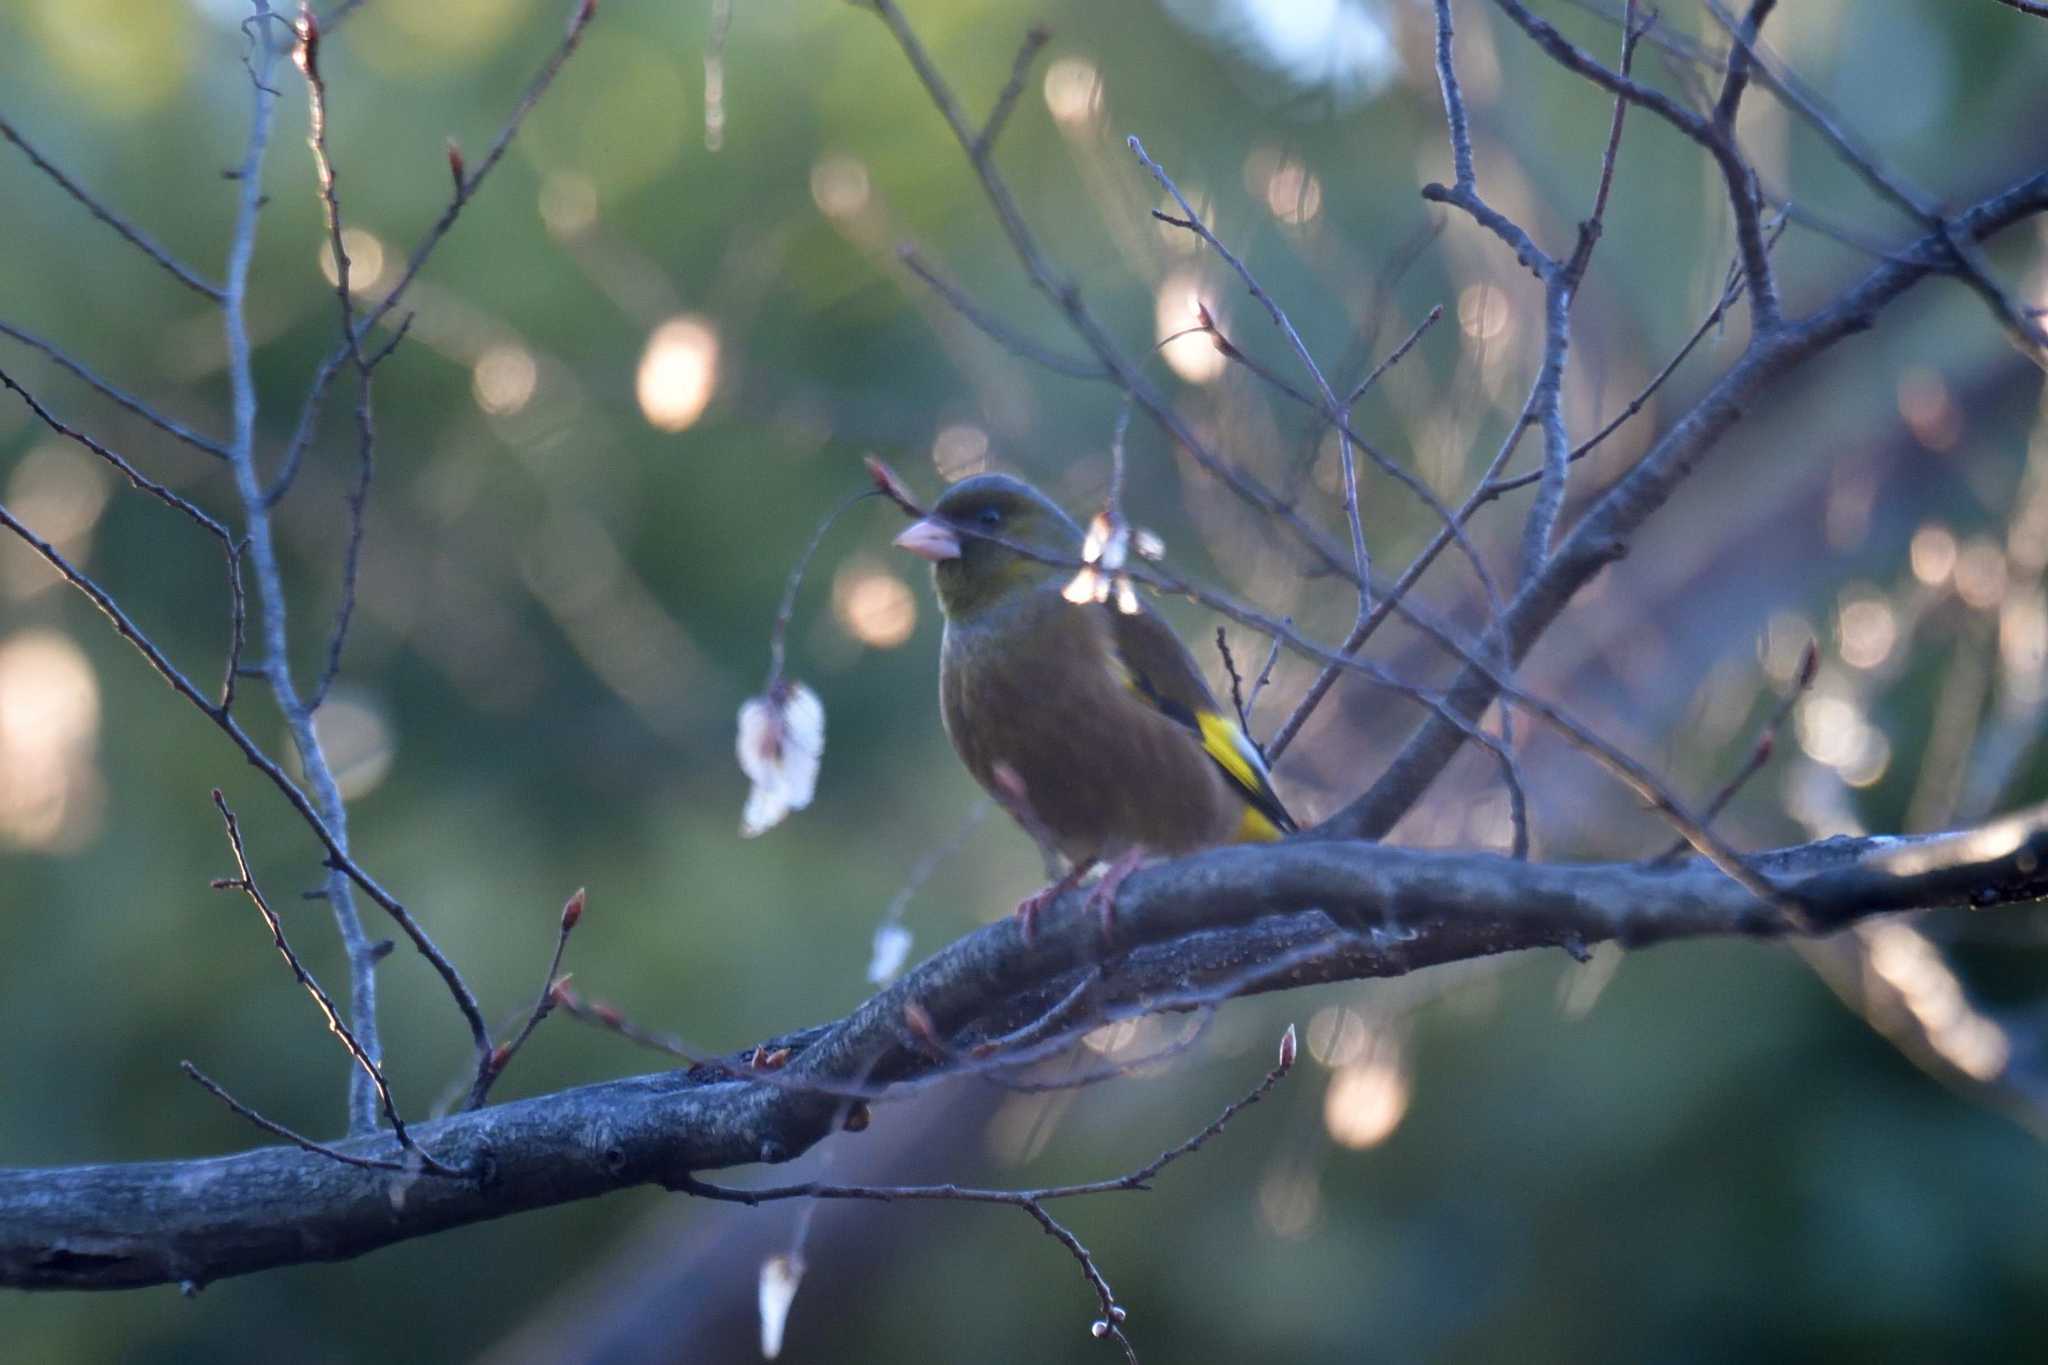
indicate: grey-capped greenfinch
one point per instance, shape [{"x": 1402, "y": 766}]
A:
[{"x": 1089, "y": 721}]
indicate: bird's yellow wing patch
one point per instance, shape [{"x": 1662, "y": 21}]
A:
[
  {"x": 1265, "y": 819},
  {"x": 1226, "y": 744}
]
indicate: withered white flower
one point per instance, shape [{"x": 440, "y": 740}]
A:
[
  {"x": 892, "y": 946},
  {"x": 1104, "y": 553},
  {"x": 781, "y": 740},
  {"x": 780, "y": 1275}
]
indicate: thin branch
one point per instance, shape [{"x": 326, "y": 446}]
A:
[
  {"x": 1251, "y": 702},
  {"x": 1602, "y": 534},
  {"x": 1361, "y": 559},
  {"x": 1035, "y": 39},
  {"x": 608, "y": 1017},
  {"x": 1736, "y": 174},
  {"x": 272, "y": 1126},
  {"x": 467, "y": 183},
  {"x": 1452, "y": 526},
  {"x": 1031, "y": 1201},
  {"x": 1736, "y": 80},
  {"x": 1394, "y": 357},
  {"x": 136, "y": 477},
  {"x": 552, "y": 993},
  {"x": 778, "y": 634},
  {"x": 272, "y": 607},
  {"x": 466, "y": 188},
  {"x": 994, "y": 328},
  {"x": 1066, "y": 296},
  {"x": 245, "y": 882},
  {"x": 127, "y": 400},
  {"x": 1492, "y": 488},
  {"x": 133, "y": 235},
  {"x": 1244, "y": 719},
  {"x": 1759, "y": 752},
  {"x": 1969, "y": 263}
]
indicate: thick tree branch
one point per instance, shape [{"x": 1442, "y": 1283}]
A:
[{"x": 1214, "y": 921}]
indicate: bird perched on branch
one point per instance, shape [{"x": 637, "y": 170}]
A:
[{"x": 1086, "y": 719}]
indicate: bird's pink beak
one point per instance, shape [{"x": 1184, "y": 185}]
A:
[{"x": 929, "y": 539}]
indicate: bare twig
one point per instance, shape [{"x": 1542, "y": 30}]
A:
[
  {"x": 272, "y": 608},
  {"x": 1394, "y": 357},
  {"x": 135, "y": 405},
  {"x": 1066, "y": 296},
  {"x": 1032, "y": 1201},
  {"x": 1968, "y": 263},
  {"x": 133, "y": 235},
  {"x": 1251, "y": 702},
  {"x": 270, "y": 1125},
  {"x": 1244, "y": 719},
  {"x": 1035, "y": 39},
  {"x": 1333, "y": 411},
  {"x": 609, "y": 1018},
  {"x": 1491, "y": 488},
  {"x": 1759, "y": 752},
  {"x": 245, "y": 882},
  {"x": 552, "y": 993},
  {"x": 1736, "y": 174},
  {"x": 994, "y": 328},
  {"x": 778, "y": 634}
]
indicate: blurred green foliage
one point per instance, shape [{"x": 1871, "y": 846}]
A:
[{"x": 563, "y": 606}]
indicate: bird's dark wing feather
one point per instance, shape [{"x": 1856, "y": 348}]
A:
[{"x": 1162, "y": 672}]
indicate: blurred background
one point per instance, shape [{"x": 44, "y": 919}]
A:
[{"x": 650, "y": 357}]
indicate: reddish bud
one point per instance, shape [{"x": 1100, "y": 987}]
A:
[
  {"x": 920, "y": 1021},
  {"x": 456, "y": 165},
  {"x": 559, "y": 994},
  {"x": 308, "y": 55},
  {"x": 500, "y": 1055},
  {"x": 607, "y": 1013},
  {"x": 890, "y": 486},
  {"x": 573, "y": 911},
  {"x": 774, "y": 1059},
  {"x": 1764, "y": 744},
  {"x": 1288, "y": 1048},
  {"x": 582, "y": 15},
  {"x": 1809, "y": 665},
  {"x": 858, "y": 1117}
]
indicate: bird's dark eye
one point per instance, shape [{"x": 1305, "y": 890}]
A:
[{"x": 990, "y": 516}]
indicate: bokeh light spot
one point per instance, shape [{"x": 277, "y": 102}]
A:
[
  {"x": 49, "y": 729},
  {"x": 678, "y": 373},
  {"x": 504, "y": 379},
  {"x": 960, "y": 450},
  {"x": 873, "y": 605},
  {"x": 365, "y": 259},
  {"x": 839, "y": 185},
  {"x": 1191, "y": 355},
  {"x": 1933, "y": 554},
  {"x": 1073, "y": 92}
]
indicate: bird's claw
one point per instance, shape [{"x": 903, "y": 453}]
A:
[
  {"x": 1102, "y": 896},
  {"x": 1029, "y": 908}
]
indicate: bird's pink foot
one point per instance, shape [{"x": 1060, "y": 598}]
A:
[
  {"x": 1028, "y": 908},
  {"x": 1102, "y": 896}
]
